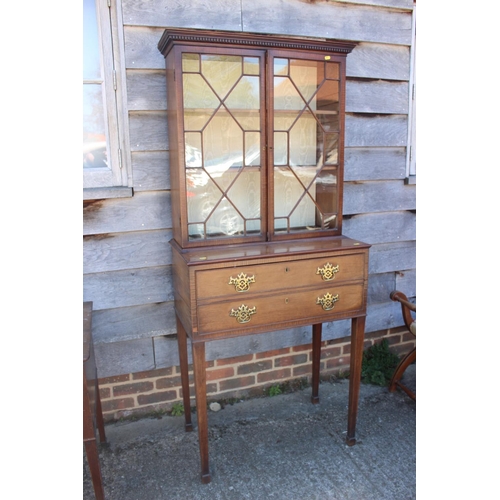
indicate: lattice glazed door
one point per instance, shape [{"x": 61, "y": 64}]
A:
[
  {"x": 307, "y": 144},
  {"x": 223, "y": 103}
]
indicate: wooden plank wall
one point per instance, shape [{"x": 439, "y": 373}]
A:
[{"x": 127, "y": 258}]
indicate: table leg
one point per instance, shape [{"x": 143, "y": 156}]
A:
[
  {"x": 183, "y": 359},
  {"x": 95, "y": 470},
  {"x": 99, "y": 417},
  {"x": 200, "y": 384},
  {"x": 316, "y": 357},
  {"x": 357, "y": 339}
]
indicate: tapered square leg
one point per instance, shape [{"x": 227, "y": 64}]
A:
[
  {"x": 183, "y": 361},
  {"x": 357, "y": 339},
  {"x": 95, "y": 470},
  {"x": 200, "y": 383},
  {"x": 316, "y": 358}
]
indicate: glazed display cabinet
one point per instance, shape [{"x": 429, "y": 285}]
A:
[{"x": 256, "y": 141}]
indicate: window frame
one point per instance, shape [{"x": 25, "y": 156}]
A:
[
  {"x": 115, "y": 181},
  {"x": 411, "y": 149}
]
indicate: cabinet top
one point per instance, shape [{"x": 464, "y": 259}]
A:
[
  {"x": 198, "y": 256},
  {"x": 173, "y": 36}
]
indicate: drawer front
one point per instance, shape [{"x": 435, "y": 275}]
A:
[
  {"x": 317, "y": 305},
  {"x": 262, "y": 278}
]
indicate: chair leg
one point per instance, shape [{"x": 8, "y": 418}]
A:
[{"x": 398, "y": 373}]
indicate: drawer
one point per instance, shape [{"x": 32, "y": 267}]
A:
[
  {"x": 309, "y": 306},
  {"x": 283, "y": 275}
]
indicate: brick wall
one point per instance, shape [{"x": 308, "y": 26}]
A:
[{"x": 144, "y": 393}]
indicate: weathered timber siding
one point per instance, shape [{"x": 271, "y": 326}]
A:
[{"x": 126, "y": 255}]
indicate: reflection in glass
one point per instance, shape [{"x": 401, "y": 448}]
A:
[
  {"x": 197, "y": 93},
  {"x": 303, "y": 140},
  {"x": 193, "y": 149},
  {"x": 251, "y": 66},
  {"x": 280, "y": 66},
  {"x": 221, "y": 72},
  {"x": 280, "y": 148},
  {"x": 223, "y": 142},
  {"x": 91, "y": 51},
  {"x": 94, "y": 130},
  {"x": 191, "y": 63},
  {"x": 252, "y": 148},
  {"x": 332, "y": 71}
]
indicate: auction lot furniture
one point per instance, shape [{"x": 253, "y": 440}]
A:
[
  {"x": 407, "y": 308},
  {"x": 256, "y": 142},
  {"x": 92, "y": 412}
]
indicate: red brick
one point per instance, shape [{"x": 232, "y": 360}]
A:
[
  {"x": 220, "y": 373},
  {"x": 156, "y": 397},
  {"x": 337, "y": 362},
  {"x": 135, "y": 388},
  {"x": 236, "y": 383},
  {"x": 114, "y": 380},
  {"x": 117, "y": 404},
  {"x": 302, "y": 370},
  {"x": 162, "y": 372},
  {"x": 300, "y": 348},
  {"x": 178, "y": 369},
  {"x": 296, "y": 359},
  {"x": 168, "y": 382},
  {"x": 235, "y": 360},
  {"x": 274, "y": 375},
  {"x": 330, "y": 352},
  {"x": 272, "y": 354},
  {"x": 255, "y": 367},
  {"x": 104, "y": 393}
]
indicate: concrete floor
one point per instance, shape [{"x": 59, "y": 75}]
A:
[{"x": 280, "y": 447}]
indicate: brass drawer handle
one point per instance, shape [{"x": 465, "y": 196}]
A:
[
  {"x": 327, "y": 301},
  {"x": 241, "y": 282},
  {"x": 243, "y": 313},
  {"x": 328, "y": 271}
]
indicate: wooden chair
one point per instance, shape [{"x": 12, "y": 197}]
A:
[
  {"x": 411, "y": 324},
  {"x": 92, "y": 411}
]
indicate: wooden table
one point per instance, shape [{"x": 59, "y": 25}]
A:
[
  {"x": 247, "y": 289},
  {"x": 92, "y": 411}
]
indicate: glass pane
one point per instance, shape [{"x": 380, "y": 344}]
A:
[
  {"x": 222, "y": 143},
  {"x": 304, "y": 215},
  {"x": 222, "y": 72},
  {"x": 286, "y": 95},
  {"x": 246, "y": 94},
  {"x": 327, "y": 98},
  {"x": 244, "y": 194},
  {"x": 244, "y": 103},
  {"x": 91, "y": 49},
  {"x": 287, "y": 191},
  {"x": 251, "y": 66},
  {"x": 94, "y": 130},
  {"x": 303, "y": 141},
  {"x": 280, "y": 148},
  {"x": 331, "y": 146},
  {"x": 281, "y": 66},
  {"x": 193, "y": 149},
  {"x": 191, "y": 63},
  {"x": 196, "y": 119},
  {"x": 306, "y": 75},
  {"x": 332, "y": 70},
  {"x": 203, "y": 195},
  {"x": 197, "y": 94},
  {"x": 326, "y": 198},
  {"x": 225, "y": 220},
  {"x": 252, "y": 148}
]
